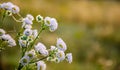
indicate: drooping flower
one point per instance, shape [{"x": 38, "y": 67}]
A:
[
  {"x": 69, "y": 57},
  {"x": 41, "y": 65},
  {"x": 39, "y": 18},
  {"x": 61, "y": 44},
  {"x": 24, "y": 60}
]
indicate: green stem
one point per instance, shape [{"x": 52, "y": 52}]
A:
[{"x": 38, "y": 60}]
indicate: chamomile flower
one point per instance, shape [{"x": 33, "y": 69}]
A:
[
  {"x": 5, "y": 37},
  {"x": 53, "y": 25},
  {"x": 60, "y": 56},
  {"x": 30, "y": 17},
  {"x": 27, "y": 32},
  {"x": 30, "y": 54},
  {"x": 69, "y": 57},
  {"x": 41, "y": 65},
  {"x": 39, "y": 46},
  {"x": 15, "y": 9},
  {"x": 47, "y": 21},
  {"x": 22, "y": 43},
  {"x": 61, "y": 44},
  {"x": 11, "y": 43},
  {"x": 41, "y": 49},
  {"x": 39, "y": 18},
  {"x": 7, "y": 6},
  {"x": 27, "y": 21},
  {"x": 24, "y": 60}
]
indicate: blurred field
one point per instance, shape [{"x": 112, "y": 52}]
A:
[{"x": 91, "y": 30}]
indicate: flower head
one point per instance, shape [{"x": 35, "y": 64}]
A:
[
  {"x": 6, "y": 6},
  {"x": 41, "y": 49},
  {"x": 24, "y": 60},
  {"x": 15, "y": 9},
  {"x": 28, "y": 32},
  {"x": 6, "y": 37},
  {"x": 51, "y": 23},
  {"x": 60, "y": 56},
  {"x": 11, "y": 43},
  {"x": 29, "y": 16},
  {"x": 27, "y": 21},
  {"x": 30, "y": 54},
  {"x": 61, "y": 44},
  {"x": 39, "y": 18},
  {"x": 41, "y": 65},
  {"x": 69, "y": 57}
]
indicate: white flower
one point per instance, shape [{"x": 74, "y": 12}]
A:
[
  {"x": 2, "y": 32},
  {"x": 69, "y": 57},
  {"x": 35, "y": 33},
  {"x": 41, "y": 65},
  {"x": 27, "y": 21},
  {"x": 11, "y": 43},
  {"x": 30, "y": 17},
  {"x": 27, "y": 26},
  {"x": 39, "y": 18},
  {"x": 24, "y": 60},
  {"x": 30, "y": 54},
  {"x": 41, "y": 49},
  {"x": 39, "y": 46},
  {"x": 47, "y": 21},
  {"x": 53, "y": 25},
  {"x": 61, "y": 44},
  {"x": 15, "y": 9},
  {"x": 27, "y": 32},
  {"x": 52, "y": 48},
  {"x": 6, "y": 37},
  {"x": 7, "y": 6},
  {"x": 22, "y": 43},
  {"x": 60, "y": 55}
]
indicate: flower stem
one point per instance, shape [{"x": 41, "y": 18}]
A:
[
  {"x": 16, "y": 19},
  {"x": 38, "y": 60}
]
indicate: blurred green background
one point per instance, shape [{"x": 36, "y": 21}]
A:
[{"x": 90, "y": 28}]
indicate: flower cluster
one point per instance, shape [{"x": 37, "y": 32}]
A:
[
  {"x": 26, "y": 37},
  {"x": 57, "y": 53},
  {"x": 10, "y": 7},
  {"x": 6, "y": 38}
]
